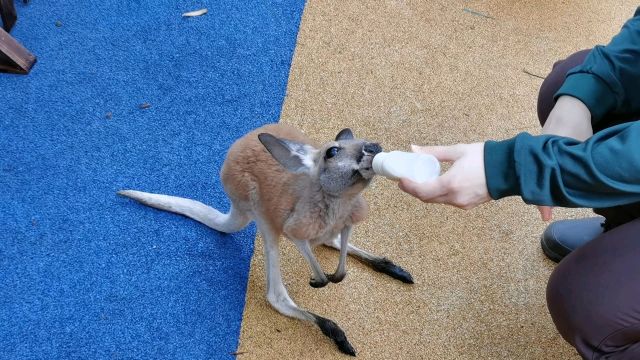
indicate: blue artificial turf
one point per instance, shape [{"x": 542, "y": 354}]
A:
[{"x": 84, "y": 273}]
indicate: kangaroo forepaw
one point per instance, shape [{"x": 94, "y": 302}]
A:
[
  {"x": 385, "y": 266},
  {"x": 336, "y": 278},
  {"x": 333, "y": 331},
  {"x": 318, "y": 283}
]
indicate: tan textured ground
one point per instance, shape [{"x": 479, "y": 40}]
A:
[{"x": 427, "y": 72}]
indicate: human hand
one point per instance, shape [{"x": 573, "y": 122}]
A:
[
  {"x": 569, "y": 117},
  {"x": 546, "y": 212},
  {"x": 464, "y": 185}
]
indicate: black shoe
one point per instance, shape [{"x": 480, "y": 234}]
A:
[{"x": 563, "y": 236}]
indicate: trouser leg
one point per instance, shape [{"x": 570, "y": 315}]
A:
[{"x": 593, "y": 295}]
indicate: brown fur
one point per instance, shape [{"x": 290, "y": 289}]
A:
[{"x": 255, "y": 181}]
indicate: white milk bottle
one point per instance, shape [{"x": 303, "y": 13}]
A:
[{"x": 413, "y": 166}]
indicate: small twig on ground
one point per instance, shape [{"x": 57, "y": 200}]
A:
[
  {"x": 236, "y": 353},
  {"x": 195, "y": 13},
  {"x": 532, "y": 74},
  {"x": 472, "y": 12}
]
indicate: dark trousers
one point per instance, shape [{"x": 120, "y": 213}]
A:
[{"x": 593, "y": 295}]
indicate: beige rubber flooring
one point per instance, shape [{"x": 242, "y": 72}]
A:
[{"x": 427, "y": 72}]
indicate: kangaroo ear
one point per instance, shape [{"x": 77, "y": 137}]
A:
[
  {"x": 293, "y": 156},
  {"x": 345, "y": 134}
]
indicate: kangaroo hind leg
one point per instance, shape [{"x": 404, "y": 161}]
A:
[{"x": 278, "y": 296}]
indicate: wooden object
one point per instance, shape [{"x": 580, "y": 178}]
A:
[
  {"x": 14, "y": 58},
  {"x": 8, "y": 14}
]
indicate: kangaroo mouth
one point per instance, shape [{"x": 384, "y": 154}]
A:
[{"x": 365, "y": 168}]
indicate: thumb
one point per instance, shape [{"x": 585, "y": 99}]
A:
[{"x": 442, "y": 153}]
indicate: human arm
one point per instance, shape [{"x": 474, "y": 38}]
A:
[
  {"x": 608, "y": 81},
  {"x": 571, "y": 118},
  {"x": 603, "y": 171}
]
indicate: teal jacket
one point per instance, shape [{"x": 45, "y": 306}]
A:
[{"x": 602, "y": 171}]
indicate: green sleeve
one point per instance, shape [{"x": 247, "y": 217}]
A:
[
  {"x": 603, "y": 171},
  {"x": 608, "y": 82}
]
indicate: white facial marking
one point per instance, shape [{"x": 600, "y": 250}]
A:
[{"x": 306, "y": 155}]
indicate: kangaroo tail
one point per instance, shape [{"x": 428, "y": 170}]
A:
[{"x": 234, "y": 221}]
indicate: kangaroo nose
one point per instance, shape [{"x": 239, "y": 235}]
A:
[{"x": 372, "y": 148}]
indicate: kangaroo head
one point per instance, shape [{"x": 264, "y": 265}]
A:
[{"x": 341, "y": 167}]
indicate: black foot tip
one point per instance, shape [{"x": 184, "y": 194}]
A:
[
  {"x": 335, "y": 279},
  {"x": 385, "y": 266},
  {"x": 318, "y": 283},
  {"x": 333, "y": 331}
]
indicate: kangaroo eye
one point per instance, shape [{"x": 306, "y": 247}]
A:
[{"x": 331, "y": 152}]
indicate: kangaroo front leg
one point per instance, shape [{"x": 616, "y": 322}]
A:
[
  {"x": 377, "y": 263},
  {"x": 341, "y": 271},
  {"x": 319, "y": 278}
]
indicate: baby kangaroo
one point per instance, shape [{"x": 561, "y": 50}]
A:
[{"x": 277, "y": 177}]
